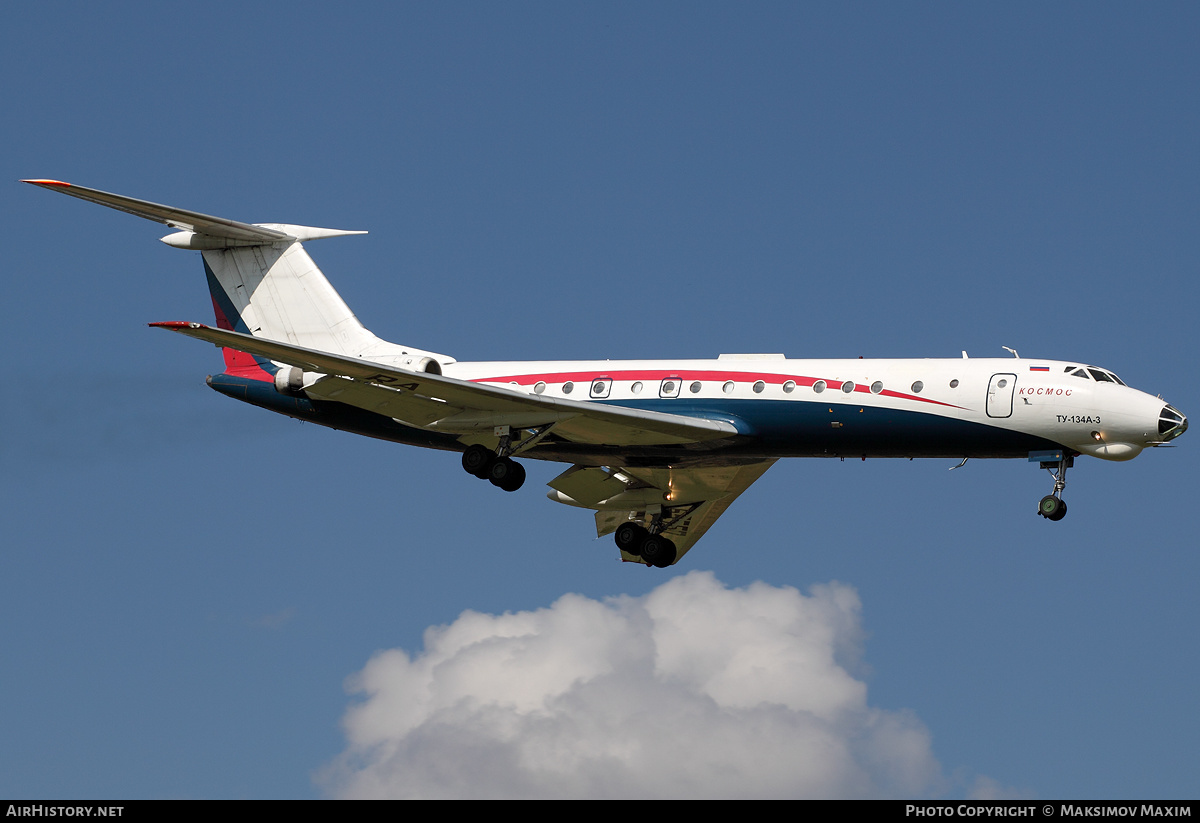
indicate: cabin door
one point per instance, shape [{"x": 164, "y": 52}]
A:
[{"x": 1000, "y": 395}]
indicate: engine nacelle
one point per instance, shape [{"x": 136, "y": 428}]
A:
[
  {"x": 289, "y": 380},
  {"x": 422, "y": 364}
]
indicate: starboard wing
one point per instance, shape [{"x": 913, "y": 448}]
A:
[{"x": 689, "y": 499}]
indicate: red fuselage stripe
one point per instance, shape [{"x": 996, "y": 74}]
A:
[{"x": 687, "y": 375}]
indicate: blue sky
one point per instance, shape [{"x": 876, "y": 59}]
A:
[{"x": 193, "y": 584}]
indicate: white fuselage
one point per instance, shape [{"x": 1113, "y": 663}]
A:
[{"x": 1053, "y": 400}]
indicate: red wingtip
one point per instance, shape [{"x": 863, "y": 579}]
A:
[
  {"x": 47, "y": 183},
  {"x": 175, "y": 324}
]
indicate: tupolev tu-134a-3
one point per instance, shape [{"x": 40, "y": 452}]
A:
[{"x": 659, "y": 449}]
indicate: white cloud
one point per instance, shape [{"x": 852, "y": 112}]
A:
[{"x": 693, "y": 690}]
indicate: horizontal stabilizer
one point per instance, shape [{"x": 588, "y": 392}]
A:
[{"x": 198, "y": 231}]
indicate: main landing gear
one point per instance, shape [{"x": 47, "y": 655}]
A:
[
  {"x": 497, "y": 466},
  {"x": 647, "y": 544},
  {"x": 503, "y": 472},
  {"x": 1052, "y": 506}
]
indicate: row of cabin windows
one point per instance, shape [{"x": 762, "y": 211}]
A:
[{"x": 672, "y": 386}]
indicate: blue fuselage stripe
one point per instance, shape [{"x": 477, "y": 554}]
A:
[{"x": 773, "y": 428}]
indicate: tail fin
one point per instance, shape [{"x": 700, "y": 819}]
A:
[
  {"x": 263, "y": 282},
  {"x": 276, "y": 291}
]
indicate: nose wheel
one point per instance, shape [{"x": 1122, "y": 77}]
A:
[{"x": 1052, "y": 506}]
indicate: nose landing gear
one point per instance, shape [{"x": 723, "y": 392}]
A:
[{"x": 1052, "y": 506}]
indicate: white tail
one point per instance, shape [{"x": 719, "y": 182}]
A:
[{"x": 263, "y": 282}]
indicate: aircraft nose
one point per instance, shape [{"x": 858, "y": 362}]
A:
[{"x": 1171, "y": 423}]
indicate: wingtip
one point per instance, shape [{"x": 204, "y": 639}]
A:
[
  {"x": 47, "y": 183},
  {"x": 175, "y": 325}
]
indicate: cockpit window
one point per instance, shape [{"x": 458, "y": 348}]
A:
[
  {"x": 1171, "y": 423},
  {"x": 1103, "y": 375},
  {"x": 1075, "y": 371}
]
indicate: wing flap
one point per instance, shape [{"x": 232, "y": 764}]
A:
[
  {"x": 407, "y": 407},
  {"x": 587, "y": 486}
]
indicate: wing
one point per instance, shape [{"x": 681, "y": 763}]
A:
[
  {"x": 446, "y": 404},
  {"x": 687, "y": 500}
]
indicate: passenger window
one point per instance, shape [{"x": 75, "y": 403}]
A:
[
  {"x": 789, "y": 386},
  {"x": 669, "y": 387},
  {"x": 759, "y": 386},
  {"x": 601, "y": 388}
]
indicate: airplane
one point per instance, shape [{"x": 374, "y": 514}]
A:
[{"x": 658, "y": 449}]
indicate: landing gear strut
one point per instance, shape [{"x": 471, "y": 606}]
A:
[{"x": 1052, "y": 506}]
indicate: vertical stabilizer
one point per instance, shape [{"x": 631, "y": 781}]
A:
[{"x": 276, "y": 291}]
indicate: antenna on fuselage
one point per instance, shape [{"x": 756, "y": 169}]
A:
[{"x": 1014, "y": 352}]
